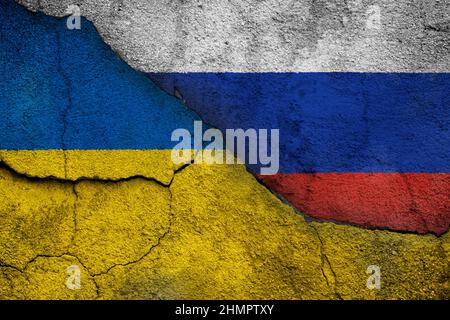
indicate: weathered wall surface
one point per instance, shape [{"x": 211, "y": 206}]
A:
[
  {"x": 139, "y": 227},
  {"x": 275, "y": 35},
  {"x": 228, "y": 238}
]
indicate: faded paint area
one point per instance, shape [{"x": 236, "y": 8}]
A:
[
  {"x": 139, "y": 239},
  {"x": 275, "y": 35}
]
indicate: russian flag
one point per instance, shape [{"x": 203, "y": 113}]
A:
[{"x": 366, "y": 148}]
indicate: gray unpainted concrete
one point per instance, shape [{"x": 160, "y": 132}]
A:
[{"x": 270, "y": 35}]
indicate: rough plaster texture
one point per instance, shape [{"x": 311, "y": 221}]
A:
[
  {"x": 139, "y": 239},
  {"x": 153, "y": 235},
  {"x": 275, "y": 35},
  {"x": 66, "y": 89},
  {"x": 109, "y": 165}
]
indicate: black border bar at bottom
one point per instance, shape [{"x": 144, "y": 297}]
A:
[{"x": 221, "y": 309}]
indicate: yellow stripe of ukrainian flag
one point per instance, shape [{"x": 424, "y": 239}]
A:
[{"x": 214, "y": 232}]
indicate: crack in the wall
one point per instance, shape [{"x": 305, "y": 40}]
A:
[
  {"x": 158, "y": 241},
  {"x": 68, "y": 83},
  {"x": 50, "y": 178},
  {"x": 45, "y": 256},
  {"x": 74, "y": 184},
  {"x": 179, "y": 96},
  {"x": 75, "y": 215},
  {"x": 413, "y": 201},
  {"x": 9, "y": 266},
  {"x": 146, "y": 254},
  {"x": 68, "y": 254},
  {"x": 326, "y": 262},
  {"x": 310, "y": 219},
  {"x": 65, "y": 161}
]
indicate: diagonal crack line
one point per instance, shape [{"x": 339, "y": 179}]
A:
[
  {"x": 178, "y": 170},
  {"x": 32, "y": 260},
  {"x": 9, "y": 266},
  {"x": 441, "y": 26},
  {"x": 149, "y": 251},
  {"x": 158, "y": 242},
  {"x": 136, "y": 260},
  {"x": 325, "y": 261}
]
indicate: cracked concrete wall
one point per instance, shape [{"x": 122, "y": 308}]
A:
[
  {"x": 76, "y": 165},
  {"x": 138, "y": 239},
  {"x": 162, "y": 232}
]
